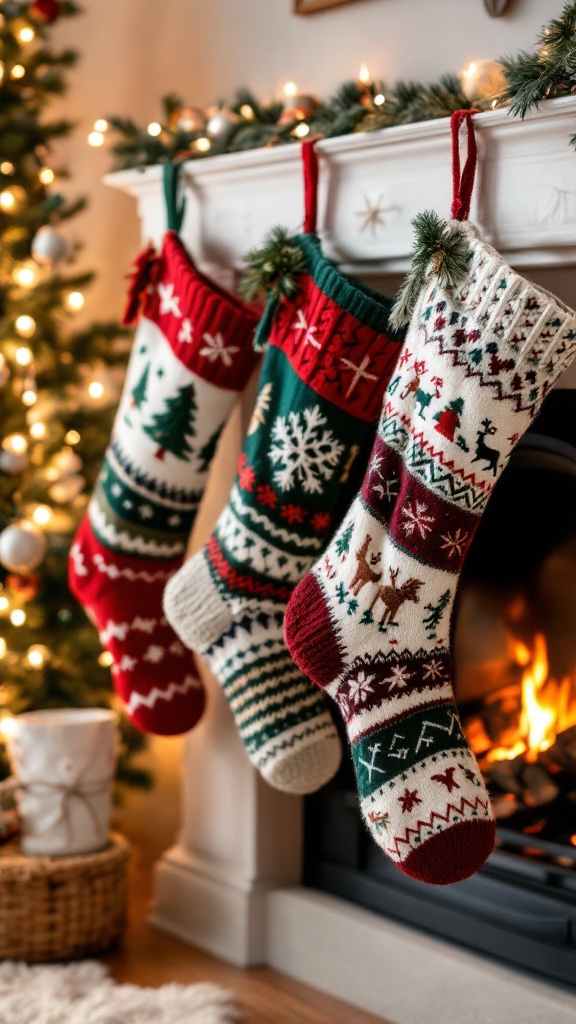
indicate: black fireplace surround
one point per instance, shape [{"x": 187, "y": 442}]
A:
[{"x": 521, "y": 907}]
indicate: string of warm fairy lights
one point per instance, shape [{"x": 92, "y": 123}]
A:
[{"x": 194, "y": 132}]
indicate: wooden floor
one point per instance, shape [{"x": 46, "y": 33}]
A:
[{"x": 150, "y": 958}]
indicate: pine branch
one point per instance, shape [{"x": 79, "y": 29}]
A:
[
  {"x": 273, "y": 268},
  {"x": 549, "y": 71},
  {"x": 440, "y": 250}
]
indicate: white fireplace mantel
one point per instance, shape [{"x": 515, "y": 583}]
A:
[
  {"x": 525, "y": 196},
  {"x": 232, "y": 883}
]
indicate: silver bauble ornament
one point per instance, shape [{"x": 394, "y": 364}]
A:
[
  {"x": 49, "y": 246},
  {"x": 22, "y": 547},
  {"x": 221, "y": 124}
]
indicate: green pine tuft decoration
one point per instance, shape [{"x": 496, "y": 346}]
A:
[
  {"x": 549, "y": 71},
  {"x": 273, "y": 268},
  {"x": 440, "y": 250}
]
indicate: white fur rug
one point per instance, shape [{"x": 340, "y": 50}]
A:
[{"x": 82, "y": 993}]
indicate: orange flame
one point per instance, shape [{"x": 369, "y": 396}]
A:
[{"x": 546, "y": 709}]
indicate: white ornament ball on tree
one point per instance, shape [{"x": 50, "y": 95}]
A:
[
  {"x": 13, "y": 463},
  {"x": 484, "y": 80},
  {"x": 49, "y": 246},
  {"x": 22, "y": 547}
]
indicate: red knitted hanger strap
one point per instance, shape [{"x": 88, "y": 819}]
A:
[
  {"x": 463, "y": 182},
  {"x": 310, "y": 165}
]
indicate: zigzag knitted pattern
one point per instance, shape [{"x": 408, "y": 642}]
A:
[
  {"x": 324, "y": 373},
  {"x": 192, "y": 355},
  {"x": 370, "y": 622}
]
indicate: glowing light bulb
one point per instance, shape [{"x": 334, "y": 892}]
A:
[
  {"x": 1, "y": 71},
  {"x": 29, "y": 397},
  {"x": 25, "y": 325},
  {"x": 72, "y": 437},
  {"x": 8, "y": 727},
  {"x": 38, "y": 431},
  {"x": 154, "y": 129},
  {"x": 23, "y": 356},
  {"x": 37, "y": 655},
  {"x": 290, "y": 89},
  {"x": 46, "y": 175},
  {"x": 470, "y": 71},
  {"x": 42, "y": 515},
  {"x": 6, "y": 167},
  {"x": 105, "y": 659},
  {"x": 379, "y": 100},
  {"x": 15, "y": 443},
  {"x": 18, "y": 71},
  {"x": 301, "y": 130},
  {"x": 4, "y": 603},
  {"x": 24, "y": 276},
  {"x": 26, "y": 34},
  {"x": 18, "y": 617},
  {"x": 101, "y": 125},
  {"x": 247, "y": 112},
  {"x": 203, "y": 144},
  {"x": 95, "y": 389},
  {"x": 96, "y": 139},
  {"x": 3, "y": 648},
  {"x": 7, "y": 200},
  {"x": 75, "y": 301},
  {"x": 364, "y": 75}
]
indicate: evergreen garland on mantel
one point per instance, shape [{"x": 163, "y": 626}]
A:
[{"x": 548, "y": 72}]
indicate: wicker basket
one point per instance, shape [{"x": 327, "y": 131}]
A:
[{"x": 58, "y": 908}]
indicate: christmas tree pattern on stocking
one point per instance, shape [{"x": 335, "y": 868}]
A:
[
  {"x": 191, "y": 357},
  {"x": 325, "y": 369},
  {"x": 370, "y": 622}
]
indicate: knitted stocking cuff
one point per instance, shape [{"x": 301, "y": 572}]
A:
[
  {"x": 336, "y": 335},
  {"x": 527, "y": 335},
  {"x": 209, "y": 330}
]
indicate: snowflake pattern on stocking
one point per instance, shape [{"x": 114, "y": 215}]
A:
[
  {"x": 216, "y": 348},
  {"x": 305, "y": 452}
]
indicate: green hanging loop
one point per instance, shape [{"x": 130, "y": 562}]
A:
[
  {"x": 174, "y": 209},
  {"x": 265, "y": 323}
]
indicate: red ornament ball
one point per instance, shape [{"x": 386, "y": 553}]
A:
[
  {"x": 24, "y": 587},
  {"x": 46, "y": 10}
]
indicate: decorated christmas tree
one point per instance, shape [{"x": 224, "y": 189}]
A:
[{"x": 58, "y": 387}]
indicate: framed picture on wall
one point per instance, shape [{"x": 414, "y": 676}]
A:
[{"x": 310, "y": 6}]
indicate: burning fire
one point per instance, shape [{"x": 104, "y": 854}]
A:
[{"x": 545, "y": 708}]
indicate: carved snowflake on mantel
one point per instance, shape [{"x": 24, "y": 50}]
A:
[{"x": 305, "y": 452}]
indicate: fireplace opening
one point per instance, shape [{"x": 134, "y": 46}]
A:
[{"x": 514, "y": 654}]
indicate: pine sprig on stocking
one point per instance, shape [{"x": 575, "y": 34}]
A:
[
  {"x": 550, "y": 71},
  {"x": 440, "y": 249},
  {"x": 273, "y": 268}
]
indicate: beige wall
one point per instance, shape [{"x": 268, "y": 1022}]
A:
[{"x": 135, "y": 51}]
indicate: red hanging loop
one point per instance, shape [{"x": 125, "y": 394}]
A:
[
  {"x": 310, "y": 165},
  {"x": 146, "y": 267},
  {"x": 463, "y": 183}
]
